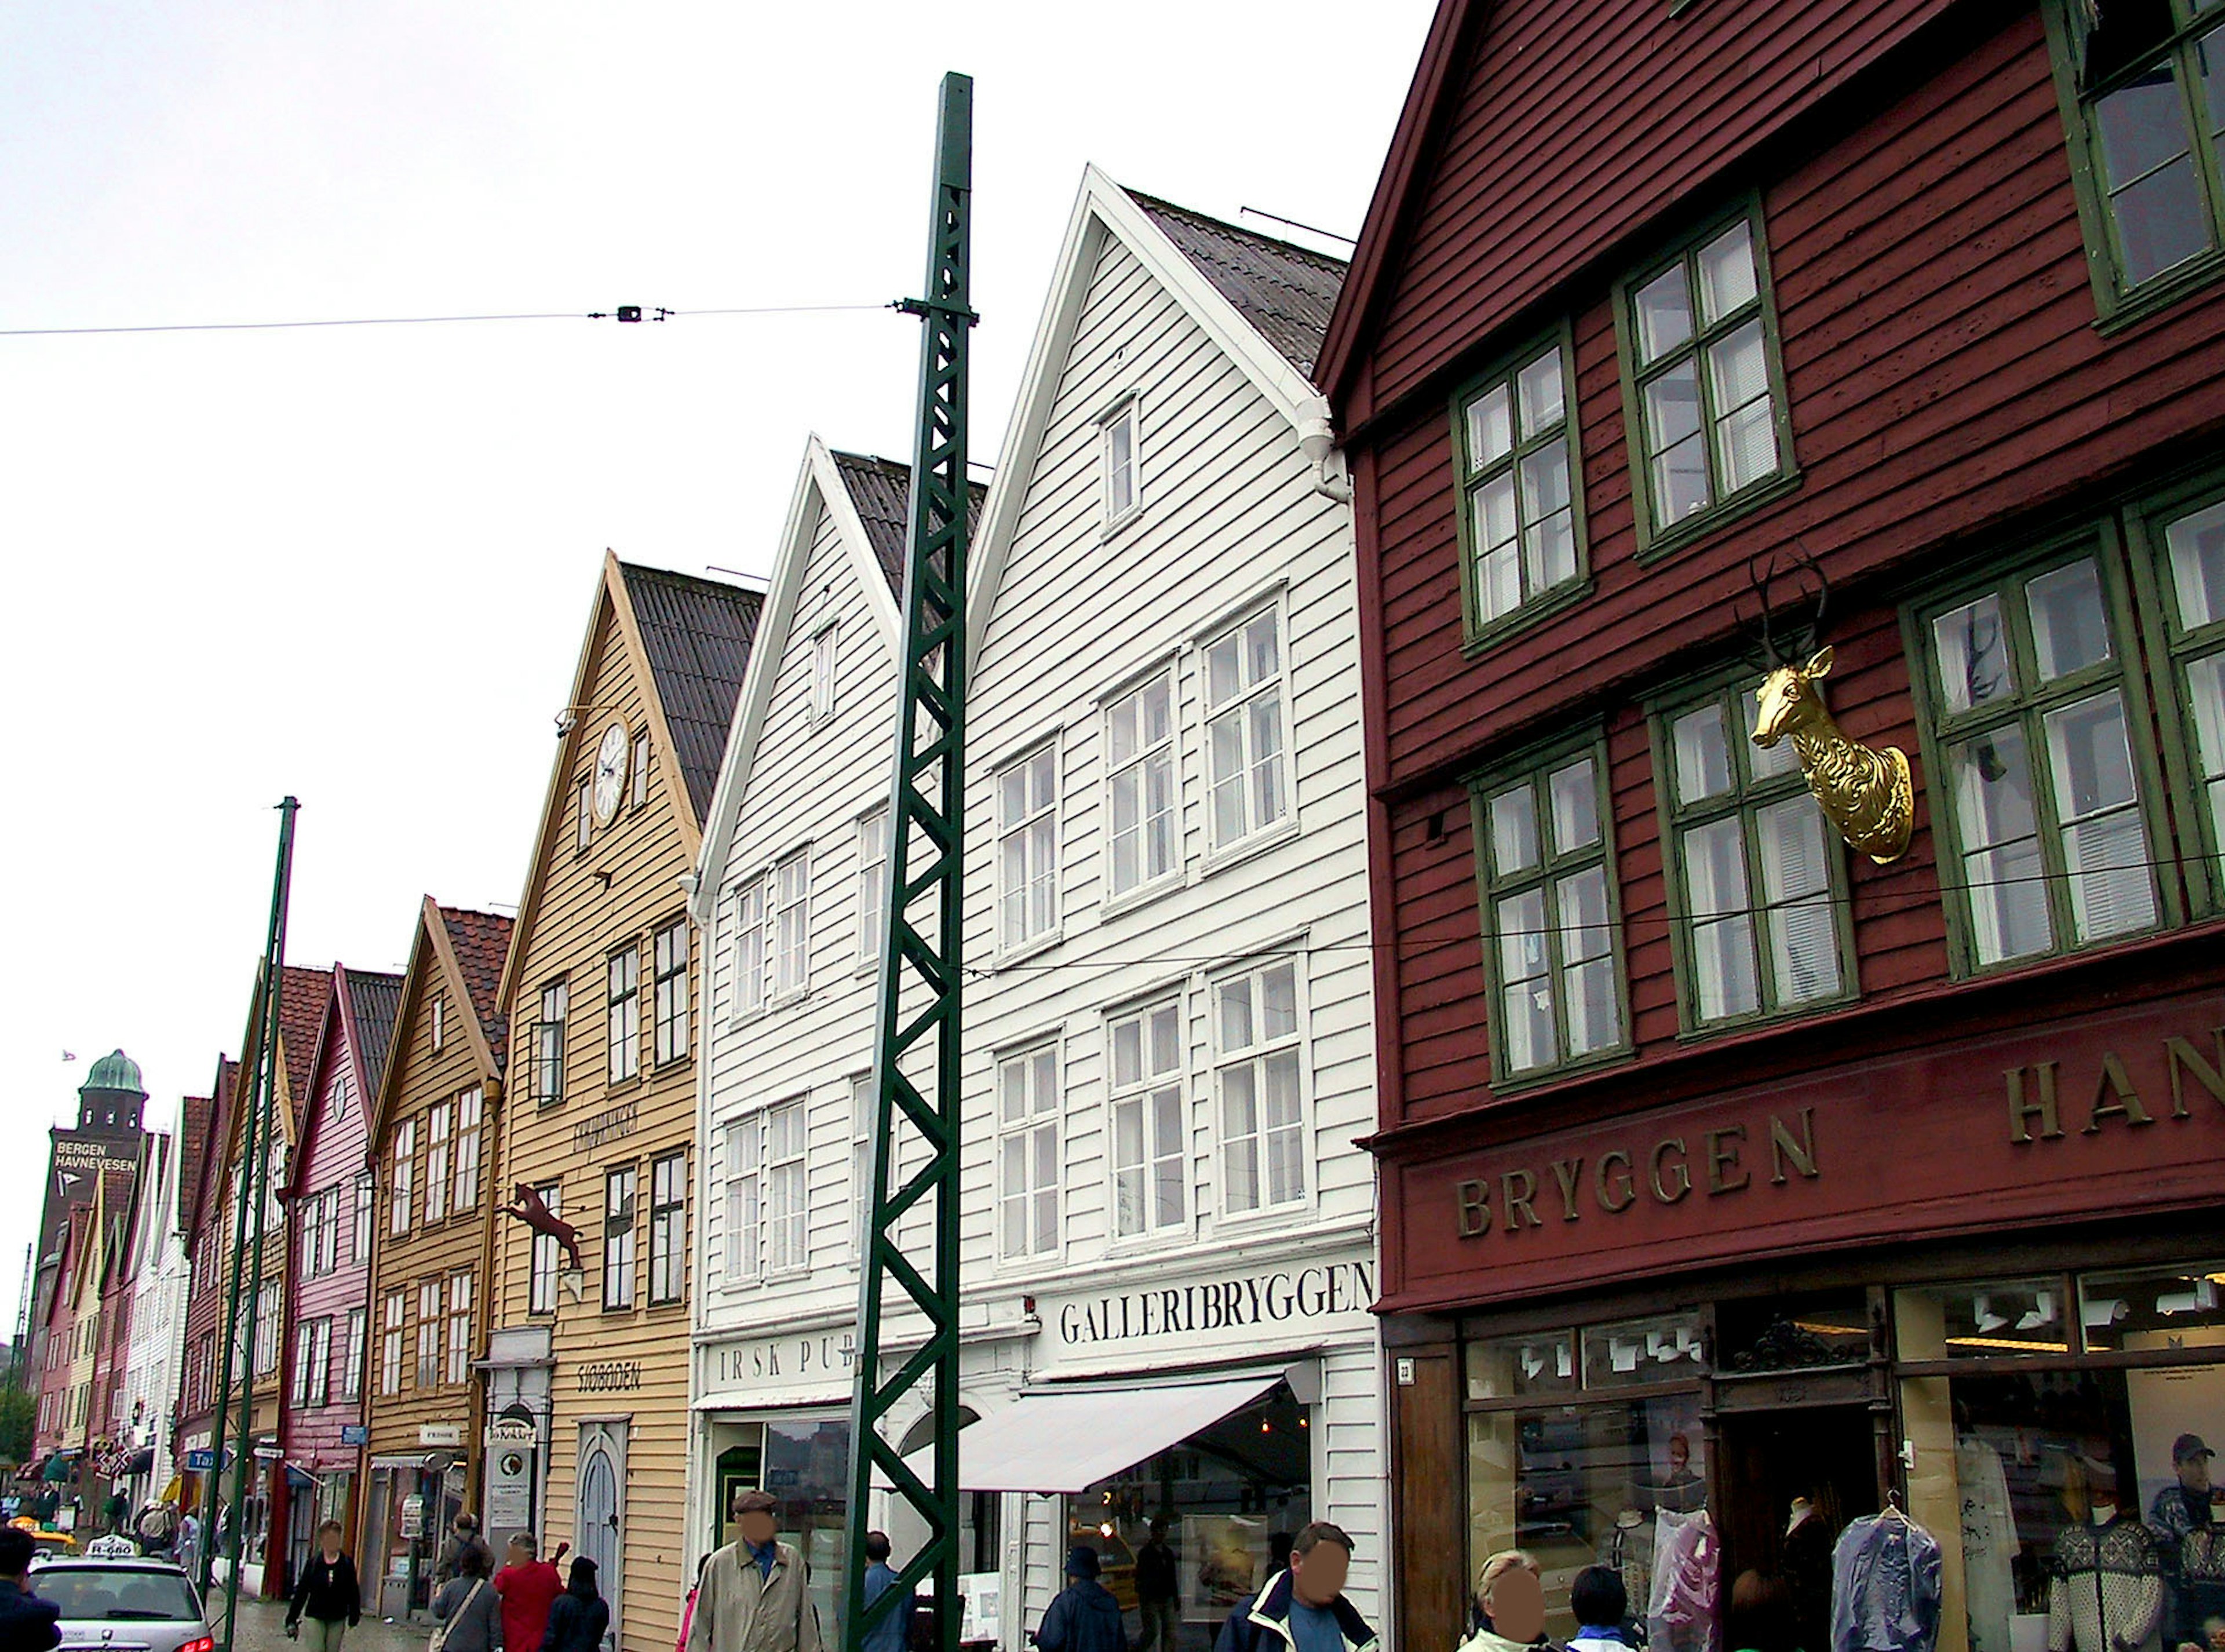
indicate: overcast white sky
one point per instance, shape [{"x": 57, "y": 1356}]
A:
[{"x": 355, "y": 564}]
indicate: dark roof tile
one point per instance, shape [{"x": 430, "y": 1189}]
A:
[
  {"x": 481, "y": 940},
  {"x": 697, "y": 633},
  {"x": 301, "y": 1005},
  {"x": 881, "y": 489},
  {"x": 374, "y": 1001},
  {"x": 1285, "y": 291}
]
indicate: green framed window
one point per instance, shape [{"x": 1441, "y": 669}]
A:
[
  {"x": 2042, "y": 792},
  {"x": 1703, "y": 382},
  {"x": 1522, "y": 519},
  {"x": 1552, "y": 916},
  {"x": 2142, "y": 88},
  {"x": 2186, "y": 539},
  {"x": 1757, "y": 875}
]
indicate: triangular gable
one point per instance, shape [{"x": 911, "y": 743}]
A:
[
  {"x": 208, "y": 1152},
  {"x": 434, "y": 965},
  {"x": 359, "y": 1019},
  {"x": 820, "y": 482},
  {"x": 1104, "y": 209},
  {"x": 302, "y": 996}
]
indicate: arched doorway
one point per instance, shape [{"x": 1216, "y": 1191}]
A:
[{"x": 601, "y": 1514}]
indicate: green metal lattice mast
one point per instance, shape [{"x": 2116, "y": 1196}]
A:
[{"x": 917, "y": 1043}]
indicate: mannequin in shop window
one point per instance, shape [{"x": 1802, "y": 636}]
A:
[
  {"x": 2105, "y": 1585},
  {"x": 2188, "y": 1544},
  {"x": 1811, "y": 1529}
]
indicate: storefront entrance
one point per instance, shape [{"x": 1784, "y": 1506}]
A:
[{"x": 1790, "y": 1481}]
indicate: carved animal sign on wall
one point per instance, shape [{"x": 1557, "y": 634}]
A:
[{"x": 530, "y": 1209}]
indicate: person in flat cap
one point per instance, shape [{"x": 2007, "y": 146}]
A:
[
  {"x": 756, "y": 1595},
  {"x": 2180, "y": 1508},
  {"x": 1083, "y": 1617}
]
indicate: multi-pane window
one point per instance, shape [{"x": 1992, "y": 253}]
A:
[
  {"x": 2150, "y": 114},
  {"x": 366, "y": 1198},
  {"x": 744, "y": 1200},
  {"x": 312, "y": 1223},
  {"x": 1704, "y": 379},
  {"x": 1123, "y": 488},
  {"x": 787, "y": 1188},
  {"x": 1027, "y": 848},
  {"x": 619, "y": 1187},
  {"x": 668, "y": 1228},
  {"x": 822, "y": 671},
  {"x": 864, "y": 1100},
  {"x": 403, "y": 1176},
  {"x": 547, "y": 1256},
  {"x": 1759, "y": 876},
  {"x": 460, "y": 1328},
  {"x": 1027, "y": 1152},
  {"x": 872, "y": 886},
  {"x": 352, "y": 1357},
  {"x": 790, "y": 925},
  {"x": 549, "y": 1044},
  {"x": 439, "y": 1131},
  {"x": 1520, "y": 519},
  {"x": 671, "y": 992},
  {"x": 750, "y": 948},
  {"x": 2191, "y": 544},
  {"x": 623, "y": 994},
  {"x": 313, "y": 1362},
  {"x": 440, "y": 1022},
  {"x": 470, "y": 1114},
  {"x": 1552, "y": 942},
  {"x": 638, "y": 785},
  {"x": 389, "y": 1346},
  {"x": 428, "y": 1333},
  {"x": 1245, "y": 742},
  {"x": 1140, "y": 784},
  {"x": 1263, "y": 1149},
  {"x": 1150, "y": 1168},
  {"x": 2044, "y": 832},
  {"x": 582, "y": 816}
]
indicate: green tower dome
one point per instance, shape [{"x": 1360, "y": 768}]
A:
[{"x": 114, "y": 1071}]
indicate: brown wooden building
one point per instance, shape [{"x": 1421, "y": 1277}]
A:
[
  {"x": 1723, "y": 1164},
  {"x": 432, "y": 1195},
  {"x": 588, "y": 1362}
]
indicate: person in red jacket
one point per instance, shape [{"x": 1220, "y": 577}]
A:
[{"x": 528, "y": 1585}]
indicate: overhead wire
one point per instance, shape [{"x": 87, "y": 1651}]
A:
[{"x": 651, "y": 313}]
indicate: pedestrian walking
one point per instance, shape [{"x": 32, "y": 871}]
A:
[
  {"x": 1083, "y": 1617},
  {"x": 116, "y": 1510},
  {"x": 529, "y": 1587},
  {"x": 1304, "y": 1610},
  {"x": 893, "y": 1632},
  {"x": 27, "y": 1623},
  {"x": 464, "y": 1539},
  {"x": 187, "y": 1544},
  {"x": 1158, "y": 1593},
  {"x": 581, "y": 1617},
  {"x": 326, "y": 1594},
  {"x": 755, "y": 1595},
  {"x": 468, "y": 1608},
  {"x": 1511, "y": 1600}
]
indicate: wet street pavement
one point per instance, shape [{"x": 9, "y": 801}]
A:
[{"x": 262, "y": 1629}]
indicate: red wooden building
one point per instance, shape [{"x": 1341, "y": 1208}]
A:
[{"x": 1723, "y": 1165}]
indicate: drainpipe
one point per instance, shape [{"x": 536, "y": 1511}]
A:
[{"x": 1317, "y": 440}]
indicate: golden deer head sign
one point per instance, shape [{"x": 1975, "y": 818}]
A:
[{"x": 1867, "y": 795}]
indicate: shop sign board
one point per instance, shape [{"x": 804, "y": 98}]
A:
[
  {"x": 2113, "y": 1113},
  {"x": 799, "y": 1367},
  {"x": 413, "y": 1517},
  {"x": 1300, "y": 1300},
  {"x": 355, "y": 1434},
  {"x": 440, "y": 1434}
]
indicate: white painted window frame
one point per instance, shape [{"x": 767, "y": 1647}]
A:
[
  {"x": 1254, "y": 1056},
  {"x": 1126, "y": 414},
  {"x": 1254, "y": 833},
  {"x": 1152, "y": 1231},
  {"x": 1041, "y": 1114},
  {"x": 872, "y": 883},
  {"x": 1038, "y": 818},
  {"x": 787, "y": 927},
  {"x": 1132, "y": 688}
]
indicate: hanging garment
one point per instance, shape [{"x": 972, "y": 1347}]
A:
[
  {"x": 1884, "y": 1586},
  {"x": 2105, "y": 1588},
  {"x": 1681, "y": 1611},
  {"x": 2200, "y": 1582},
  {"x": 1989, "y": 1544}
]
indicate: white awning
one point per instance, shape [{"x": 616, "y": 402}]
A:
[{"x": 1068, "y": 1442}]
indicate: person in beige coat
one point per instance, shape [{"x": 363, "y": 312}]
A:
[{"x": 755, "y": 1595}]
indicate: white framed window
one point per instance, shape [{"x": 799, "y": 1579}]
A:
[
  {"x": 440, "y": 1129},
  {"x": 547, "y": 1256},
  {"x": 790, "y": 925},
  {"x": 1140, "y": 786},
  {"x": 460, "y": 1328},
  {"x": 428, "y": 1333},
  {"x": 1255, "y": 1018},
  {"x": 1151, "y": 1167},
  {"x": 1247, "y": 755},
  {"x": 582, "y": 816},
  {"x": 864, "y": 1097},
  {"x": 668, "y": 1228},
  {"x": 624, "y": 978},
  {"x": 305, "y": 1361},
  {"x": 549, "y": 1044},
  {"x": 638, "y": 785},
  {"x": 1027, "y": 848},
  {"x": 352, "y": 1357},
  {"x": 1027, "y": 1153},
  {"x": 872, "y": 887},
  {"x": 1123, "y": 462},
  {"x": 366, "y": 1200},
  {"x": 403, "y": 1175},
  {"x": 787, "y": 1188},
  {"x": 312, "y": 1216},
  {"x": 619, "y": 1236},
  {"x": 470, "y": 1117},
  {"x": 390, "y": 1346},
  {"x": 744, "y": 1200},
  {"x": 440, "y": 1022},
  {"x": 822, "y": 671},
  {"x": 671, "y": 992},
  {"x": 749, "y": 948}
]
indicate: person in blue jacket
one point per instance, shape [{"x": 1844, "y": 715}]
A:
[
  {"x": 27, "y": 1623},
  {"x": 1303, "y": 1610},
  {"x": 1084, "y": 1616}
]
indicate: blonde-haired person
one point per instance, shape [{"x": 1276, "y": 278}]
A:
[{"x": 1509, "y": 1603}]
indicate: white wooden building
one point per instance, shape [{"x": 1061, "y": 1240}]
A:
[{"x": 159, "y": 1275}]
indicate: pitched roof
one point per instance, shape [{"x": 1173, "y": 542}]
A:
[
  {"x": 196, "y": 1116},
  {"x": 302, "y": 1004},
  {"x": 481, "y": 940},
  {"x": 697, "y": 634},
  {"x": 373, "y": 1001},
  {"x": 1285, "y": 291},
  {"x": 881, "y": 489}
]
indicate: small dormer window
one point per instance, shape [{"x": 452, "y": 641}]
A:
[
  {"x": 1123, "y": 486},
  {"x": 822, "y": 672},
  {"x": 439, "y": 1023}
]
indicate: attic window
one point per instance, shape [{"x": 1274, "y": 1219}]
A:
[
  {"x": 1122, "y": 483},
  {"x": 439, "y": 1023}
]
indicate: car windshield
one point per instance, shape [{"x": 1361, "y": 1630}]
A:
[{"x": 115, "y": 1594}]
